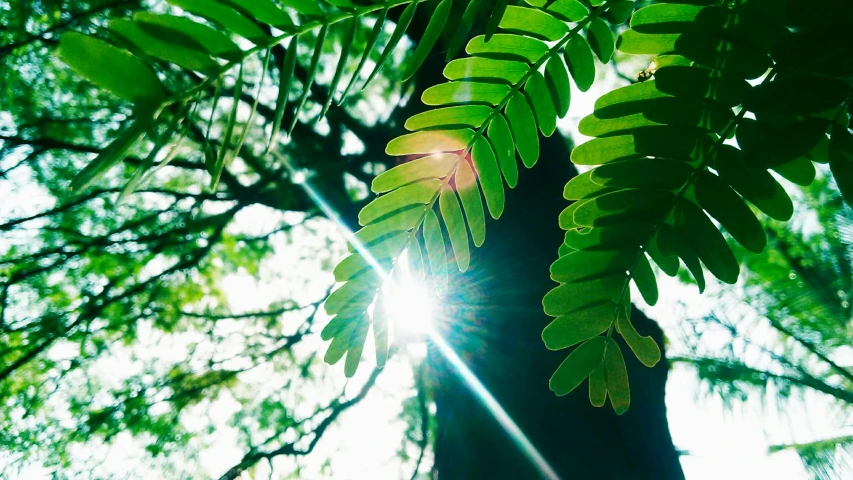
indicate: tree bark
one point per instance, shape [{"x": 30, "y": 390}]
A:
[{"x": 493, "y": 319}]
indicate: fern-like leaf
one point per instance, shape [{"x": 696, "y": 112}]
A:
[
  {"x": 513, "y": 86},
  {"x": 665, "y": 167}
]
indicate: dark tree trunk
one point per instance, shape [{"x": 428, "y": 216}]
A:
[{"x": 494, "y": 320}]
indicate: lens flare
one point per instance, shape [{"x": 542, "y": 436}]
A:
[{"x": 412, "y": 310}]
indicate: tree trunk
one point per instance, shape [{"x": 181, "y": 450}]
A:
[{"x": 493, "y": 319}]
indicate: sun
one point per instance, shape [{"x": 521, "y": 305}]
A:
[{"x": 409, "y": 307}]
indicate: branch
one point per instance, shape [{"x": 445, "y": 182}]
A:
[{"x": 256, "y": 456}]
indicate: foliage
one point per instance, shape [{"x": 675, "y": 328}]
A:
[
  {"x": 662, "y": 147},
  {"x": 793, "y": 324}
]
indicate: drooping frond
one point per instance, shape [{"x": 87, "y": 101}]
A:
[
  {"x": 666, "y": 162},
  {"x": 824, "y": 459},
  {"x": 167, "y": 64},
  {"x": 513, "y": 85}
]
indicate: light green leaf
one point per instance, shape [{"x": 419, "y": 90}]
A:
[
  {"x": 581, "y": 64},
  {"x": 418, "y": 193},
  {"x": 489, "y": 175},
  {"x": 432, "y": 141},
  {"x": 600, "y": 39},
  {"x": 465, "y": 92},
  {"x": 432, "y": 166},
  {"x": 450, "y": 117},
  {"x": 400, "y": 30},
  {"x": 500, "y": 137},
  {"x": 228, "y": 18},
  {"x": 478, "y": 68},
  {"x": 534, "y": 23},
  {"x": 469, "y": 193},
  {"x": 434, "y": 243},
  {"x": 452, "y": 214},
  {"x": 111, "y": 68},
  {"x": 538, "y": 96},
  {"x": 462, "y": 29},
  {"x": 557, "y": 79},
  {"x": 189, "y": 33},
  {"x": 523, "y": 128},
  {"x": 505, "y": 46}
]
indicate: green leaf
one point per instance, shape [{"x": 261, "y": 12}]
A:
[
  {"x": 466, "y": 93},
  {"x": 611, "y": 237},
  {"x": 264, "y": 11},
  {"x": 534, "y": 23},
  {"x": 645, "y": 348},
  {"x": 597, "y": 387},
  {"x": 469, "y": 193},
  {"x": 619, "y": 13},
  {"x": 644, "y": 279},
  {"x": 582, "y": 186},
  {"x": 523, "y": 127},
  {"x": 667, "y": 263},
  {"x": 418, "y": 193},
  {"x": 489, "y": 175},
  {"x": 189, "y": 33},
  {"x": 572, "y": 297},
  {"x": 698, "y": 83},
  {"x": 228, "y": 18},
  {"x": 310, "y": 76},
  {"x": 634, "y": 42},
  {"x": 500, "y": 137},
  {"x": 800, "y": 171},
  {"x": 428, "y": 39},
  {"x": 114, "y": 153},
  {"x": 505, "y": 46},
  {"x": 111, "y": 68},
  {"x": 577, "y": 366},
  {"x": 434, "y": 243},
  {"x": 222, "y": 158},
  {"x": 462, "y": 29},
  {"x": 670, "y": 240},
  {"x": 616, "y": 376},
  {"x": 708, "y": 243},
  {"x": 355, "y": 294},
  {"x": 400, "y": 30},
  {"x": 478, "y": 68},
  {"x": 557, "y": 79},
  {"x": 581, "y": 265},
  {"x": 581, "y": 64},
  {"x": 347, "y": 40},
  {"x": 538, "y": 96},
  {"x": 841, "y": 162},
  {"x": 622, "y": 206},
  {"x": 368, "y": 49},
  {"x": 580, "y": 326},
  {"x": 380, "y": 332},
  {"x": 452, "y": 214},
  {"x": 800, "y": 95},
  {"x": 666, "y": 17},
  {"x": 433, "y": 166},
  {"x": 496, "y": 18},
  {"x": 600, "y": 39},
  {"x": 727, "y": 207},
  {"x": 432, "y": 141},
  {"x": 357, "y": 340},
  {"x": 647, "y": 173},
  {"x": 757, "y": 186},
  {"x": 450, "y": 117},
  {"x": 566, "y": 10},
  {"x": 152, "y": 46},
  {"x": 286, "y": 70}
]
